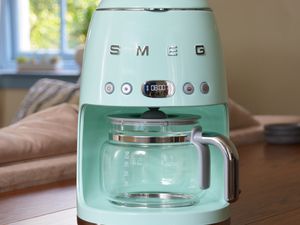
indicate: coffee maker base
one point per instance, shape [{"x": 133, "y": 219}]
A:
[{"x": 83, "y": 222}]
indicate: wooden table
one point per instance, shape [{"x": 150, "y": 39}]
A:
[{"x": 270, "y": 183}]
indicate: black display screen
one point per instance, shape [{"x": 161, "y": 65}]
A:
[{"x": 158, "y": 89}]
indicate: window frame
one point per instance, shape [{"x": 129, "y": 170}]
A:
[
  {"x": 10, "y": 45},
  {"x": 6, "y": 39}
]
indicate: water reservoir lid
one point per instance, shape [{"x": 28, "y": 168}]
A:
[{"x": 153, "y": 4}]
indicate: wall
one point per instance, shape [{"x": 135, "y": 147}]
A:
[
  {"x": 10, "y": 100},
  {"x": 261, "y": 41}
]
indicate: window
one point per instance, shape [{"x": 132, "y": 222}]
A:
[{"x": 45, "y": 27}]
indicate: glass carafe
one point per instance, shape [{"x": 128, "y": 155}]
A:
[{"x": 154, "y": 163}]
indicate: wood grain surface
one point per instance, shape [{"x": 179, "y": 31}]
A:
[
  {"x": 270, "y": 184},
  {"x": 37, "y": 201}
]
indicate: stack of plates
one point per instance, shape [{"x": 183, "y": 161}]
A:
[{"x": 288, "y": 133}]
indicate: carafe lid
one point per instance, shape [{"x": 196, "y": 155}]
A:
[
  {"x": 153, "y": 4},
  {"x": 133, "y": 128},
  {"x": 136, "y": 119}
]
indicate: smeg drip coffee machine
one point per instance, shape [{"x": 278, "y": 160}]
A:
[{"x": 153, "y": 121}]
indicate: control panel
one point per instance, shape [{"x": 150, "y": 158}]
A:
[{"x": 158, "y": 88}]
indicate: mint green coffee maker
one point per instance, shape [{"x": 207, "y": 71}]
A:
[{"x": 153, "y": 127}]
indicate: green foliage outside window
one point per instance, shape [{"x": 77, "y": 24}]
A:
[
  {"x": 45, "y": 22},
  {"x": 78, "y": 19}
]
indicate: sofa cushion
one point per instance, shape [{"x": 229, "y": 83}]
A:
[
  {"x": 46, "y": 93},
  {"x": 34, "y": 172},
  {"x": 46, "y": 133}
]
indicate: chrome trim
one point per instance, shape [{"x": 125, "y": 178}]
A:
[
  {"x": 155, "y": 9},
  {"x": 231, "y": 160},
  {"x": 163, "y": 196},
  {"x": 134, "y": 200},
  {"x": 147, "y": 140}
]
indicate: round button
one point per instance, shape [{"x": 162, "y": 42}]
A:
[
  {"x": 126, "y": 88},
  {"x": 109, "y": 88},
  {"x": 204, "y": 88},
  {"x": 188, "y": 88}
]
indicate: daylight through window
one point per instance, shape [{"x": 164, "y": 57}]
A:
[{"x": 57, "y": 26}]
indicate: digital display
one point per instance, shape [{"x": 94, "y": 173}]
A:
[{"x": 158, "y": 89}]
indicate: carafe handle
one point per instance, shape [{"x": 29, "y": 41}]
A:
[
  {"x": 231, "y": 159},
  {"x": 204, "y": 162}
]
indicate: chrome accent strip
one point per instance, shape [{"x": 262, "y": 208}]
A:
[
  {"x": 156, "y": 195},
  {"x": 147, "y": 140},
  {"x": 143, "y": 200},
  {"x": 155, "y": 9}
]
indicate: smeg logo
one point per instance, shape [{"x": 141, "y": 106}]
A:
[{"x": 145, "y": 50}]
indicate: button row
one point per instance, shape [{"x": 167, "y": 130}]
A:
[{"x": 126, "y": 88}]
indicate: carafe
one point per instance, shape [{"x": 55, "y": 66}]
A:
[{"x": 159, "y": 163}]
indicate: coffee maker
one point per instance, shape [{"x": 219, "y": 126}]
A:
[{"x": 153, "y": 127}]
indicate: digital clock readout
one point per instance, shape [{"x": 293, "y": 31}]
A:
[{"x": 158, "y": 89}]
